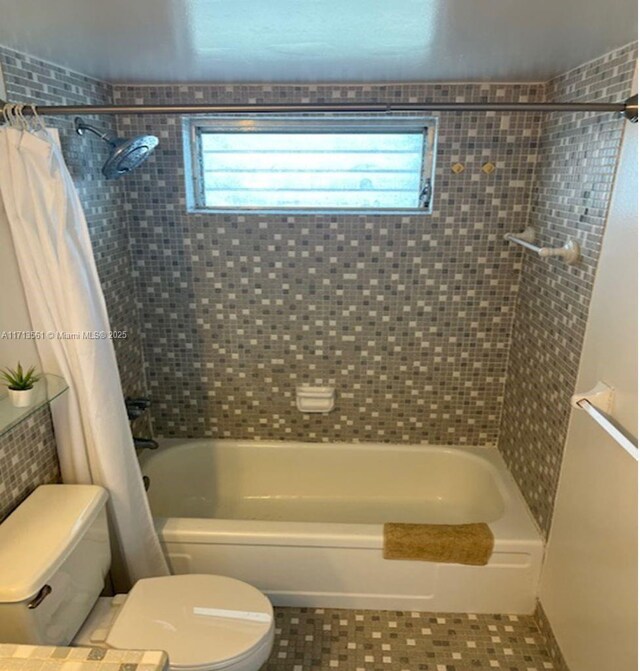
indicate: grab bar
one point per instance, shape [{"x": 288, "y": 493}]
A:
[
  {"x": 597, "y": 403},
  {"x": 570, "y": 251}
]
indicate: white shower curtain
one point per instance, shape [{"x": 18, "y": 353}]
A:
[{"x": 64, "y": 295}]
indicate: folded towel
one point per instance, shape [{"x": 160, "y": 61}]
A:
[{"x": 449, "y": 543}]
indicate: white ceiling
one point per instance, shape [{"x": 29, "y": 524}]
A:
[{"x": 154, "y": 41}]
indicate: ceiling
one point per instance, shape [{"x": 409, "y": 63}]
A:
[{"x": 155, "y": 41}]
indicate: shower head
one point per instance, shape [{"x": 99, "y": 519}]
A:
[{"x": 126, "y": 155}]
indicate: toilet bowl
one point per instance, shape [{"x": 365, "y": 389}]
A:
[
  {"x": 54, "y": 550},
  {"x": 203, "y": 622}
]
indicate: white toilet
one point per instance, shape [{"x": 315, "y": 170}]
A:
[{"x": 54, "y": 557}]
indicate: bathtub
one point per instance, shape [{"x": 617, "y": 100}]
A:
[{"x": 303, "y": 521}]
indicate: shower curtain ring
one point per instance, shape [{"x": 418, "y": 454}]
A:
[
  {"x": 6, "y": 113},
  {"x": 37, "y": 118},
  {"x": 12, "y": 113},
  {"x": 25, "y": 119},
  {"x": 13, "y": 117},
  {"x": 20, "y": 116}
]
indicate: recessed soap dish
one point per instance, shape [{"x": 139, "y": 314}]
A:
[{"x": 315, "y": 399}]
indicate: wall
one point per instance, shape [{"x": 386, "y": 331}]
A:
[
  {"x": 27, "y": 452},
  {"x": 590, "y": 577},
  {"x": 27, "y": 459},
  {"x": 29, "y": 79},
  {"x": 14, "y": 315},
  {"x": 409, "y": 317},
  {"x": 578, "y": 154}
]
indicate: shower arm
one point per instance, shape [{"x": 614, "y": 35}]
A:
[
  {"x": 82, "y": 126},
  {"x": 628, "y": 109}
]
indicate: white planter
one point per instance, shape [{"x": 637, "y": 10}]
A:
[{"x": 21, "y": 398}]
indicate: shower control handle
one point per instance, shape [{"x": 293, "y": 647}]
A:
[
  {"x": 140, "y": 402},
  {"x": 145, "y": 443},
  {"x": 134, "y": 411},
  {"x": 136, "y": 407}
]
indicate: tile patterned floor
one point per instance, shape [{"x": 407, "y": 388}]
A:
[{"x": 360, "y": 640}]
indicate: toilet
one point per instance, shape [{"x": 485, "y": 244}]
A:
[{"x": 55, "y": 555}]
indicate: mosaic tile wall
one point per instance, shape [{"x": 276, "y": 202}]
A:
[
  {"x": 28, "y": 459},
  {"x": 578, "y": 156},
  {"x": 549, "y": 638},
  {"x": 29, "y": 79},
  {"x": 408, "y": 316}
]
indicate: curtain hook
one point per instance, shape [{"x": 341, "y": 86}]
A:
[
  {"x": 28, "y": 119},
  {"x": 15, "y": 118},
  {"x": 5, "y": 113},
  {"x": 23, "y": 121},
  {"x": 11, "y": 114},
  {"x": 37, "y": 118}
]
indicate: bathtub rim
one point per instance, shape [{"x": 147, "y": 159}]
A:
[{"x": 514, "y": 531}]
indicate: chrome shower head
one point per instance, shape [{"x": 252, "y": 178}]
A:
[{"x": 126, "y": 155}]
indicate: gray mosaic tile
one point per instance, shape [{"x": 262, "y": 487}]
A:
[
  {"x": 28, "y": 458},
  {"x": 549, "y": 638},
  {"x": 408, "y": 316},
  {"x": 358, "y": 640},
  {"x": 576, "y": 167}
]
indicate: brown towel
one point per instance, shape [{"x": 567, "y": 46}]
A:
[{"x": 449, "y": 543}]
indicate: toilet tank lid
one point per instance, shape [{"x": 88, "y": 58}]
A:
[{"x": 41, "y": 533}]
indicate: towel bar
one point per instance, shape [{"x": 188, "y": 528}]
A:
[
  {"x": 597, "y": 404},
  {"x": 570, "y": 251}
]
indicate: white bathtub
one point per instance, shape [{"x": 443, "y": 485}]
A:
[{"x": 303, "y": 521}]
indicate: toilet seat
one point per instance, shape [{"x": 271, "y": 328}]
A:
[{"x": 160, "y": 614}]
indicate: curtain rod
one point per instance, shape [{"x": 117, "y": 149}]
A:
[{"x": 628, "y": 109}]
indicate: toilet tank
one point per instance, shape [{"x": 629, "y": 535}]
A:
[{"x": 54, "y": 557}]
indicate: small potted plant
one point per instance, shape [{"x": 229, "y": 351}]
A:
[{"x": 20, "y": 384}]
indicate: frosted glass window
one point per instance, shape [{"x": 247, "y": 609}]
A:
[{"x": 340, "y": 167}]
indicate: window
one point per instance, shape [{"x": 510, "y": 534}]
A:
[{"x": 310, "y": 163}]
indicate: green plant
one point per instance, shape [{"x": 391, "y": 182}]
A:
[{"x": 18, "y": 379}]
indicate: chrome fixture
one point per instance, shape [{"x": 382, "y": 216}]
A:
[
  {"x": 126, "y": 155},
  {"x": 134, "y": 411},
  {"x": 598, "y": 404},
  {"x": 145, "y": 443},
  {"x": 628, "y": 109},
  {"x": 570, "y": 251},
  {"x": 136, "y": 407}
]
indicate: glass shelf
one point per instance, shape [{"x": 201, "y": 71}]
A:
[{"x": 46, "y": 389}]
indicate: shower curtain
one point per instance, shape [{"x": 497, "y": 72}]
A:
[{"x": 64, "y": 296}]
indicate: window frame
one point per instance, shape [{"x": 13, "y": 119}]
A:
[{"x": 194, "y": 127}]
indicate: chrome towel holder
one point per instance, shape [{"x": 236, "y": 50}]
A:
[
  {"x": 598, "y": 403},
  {"x": 570, "y": 251}
]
